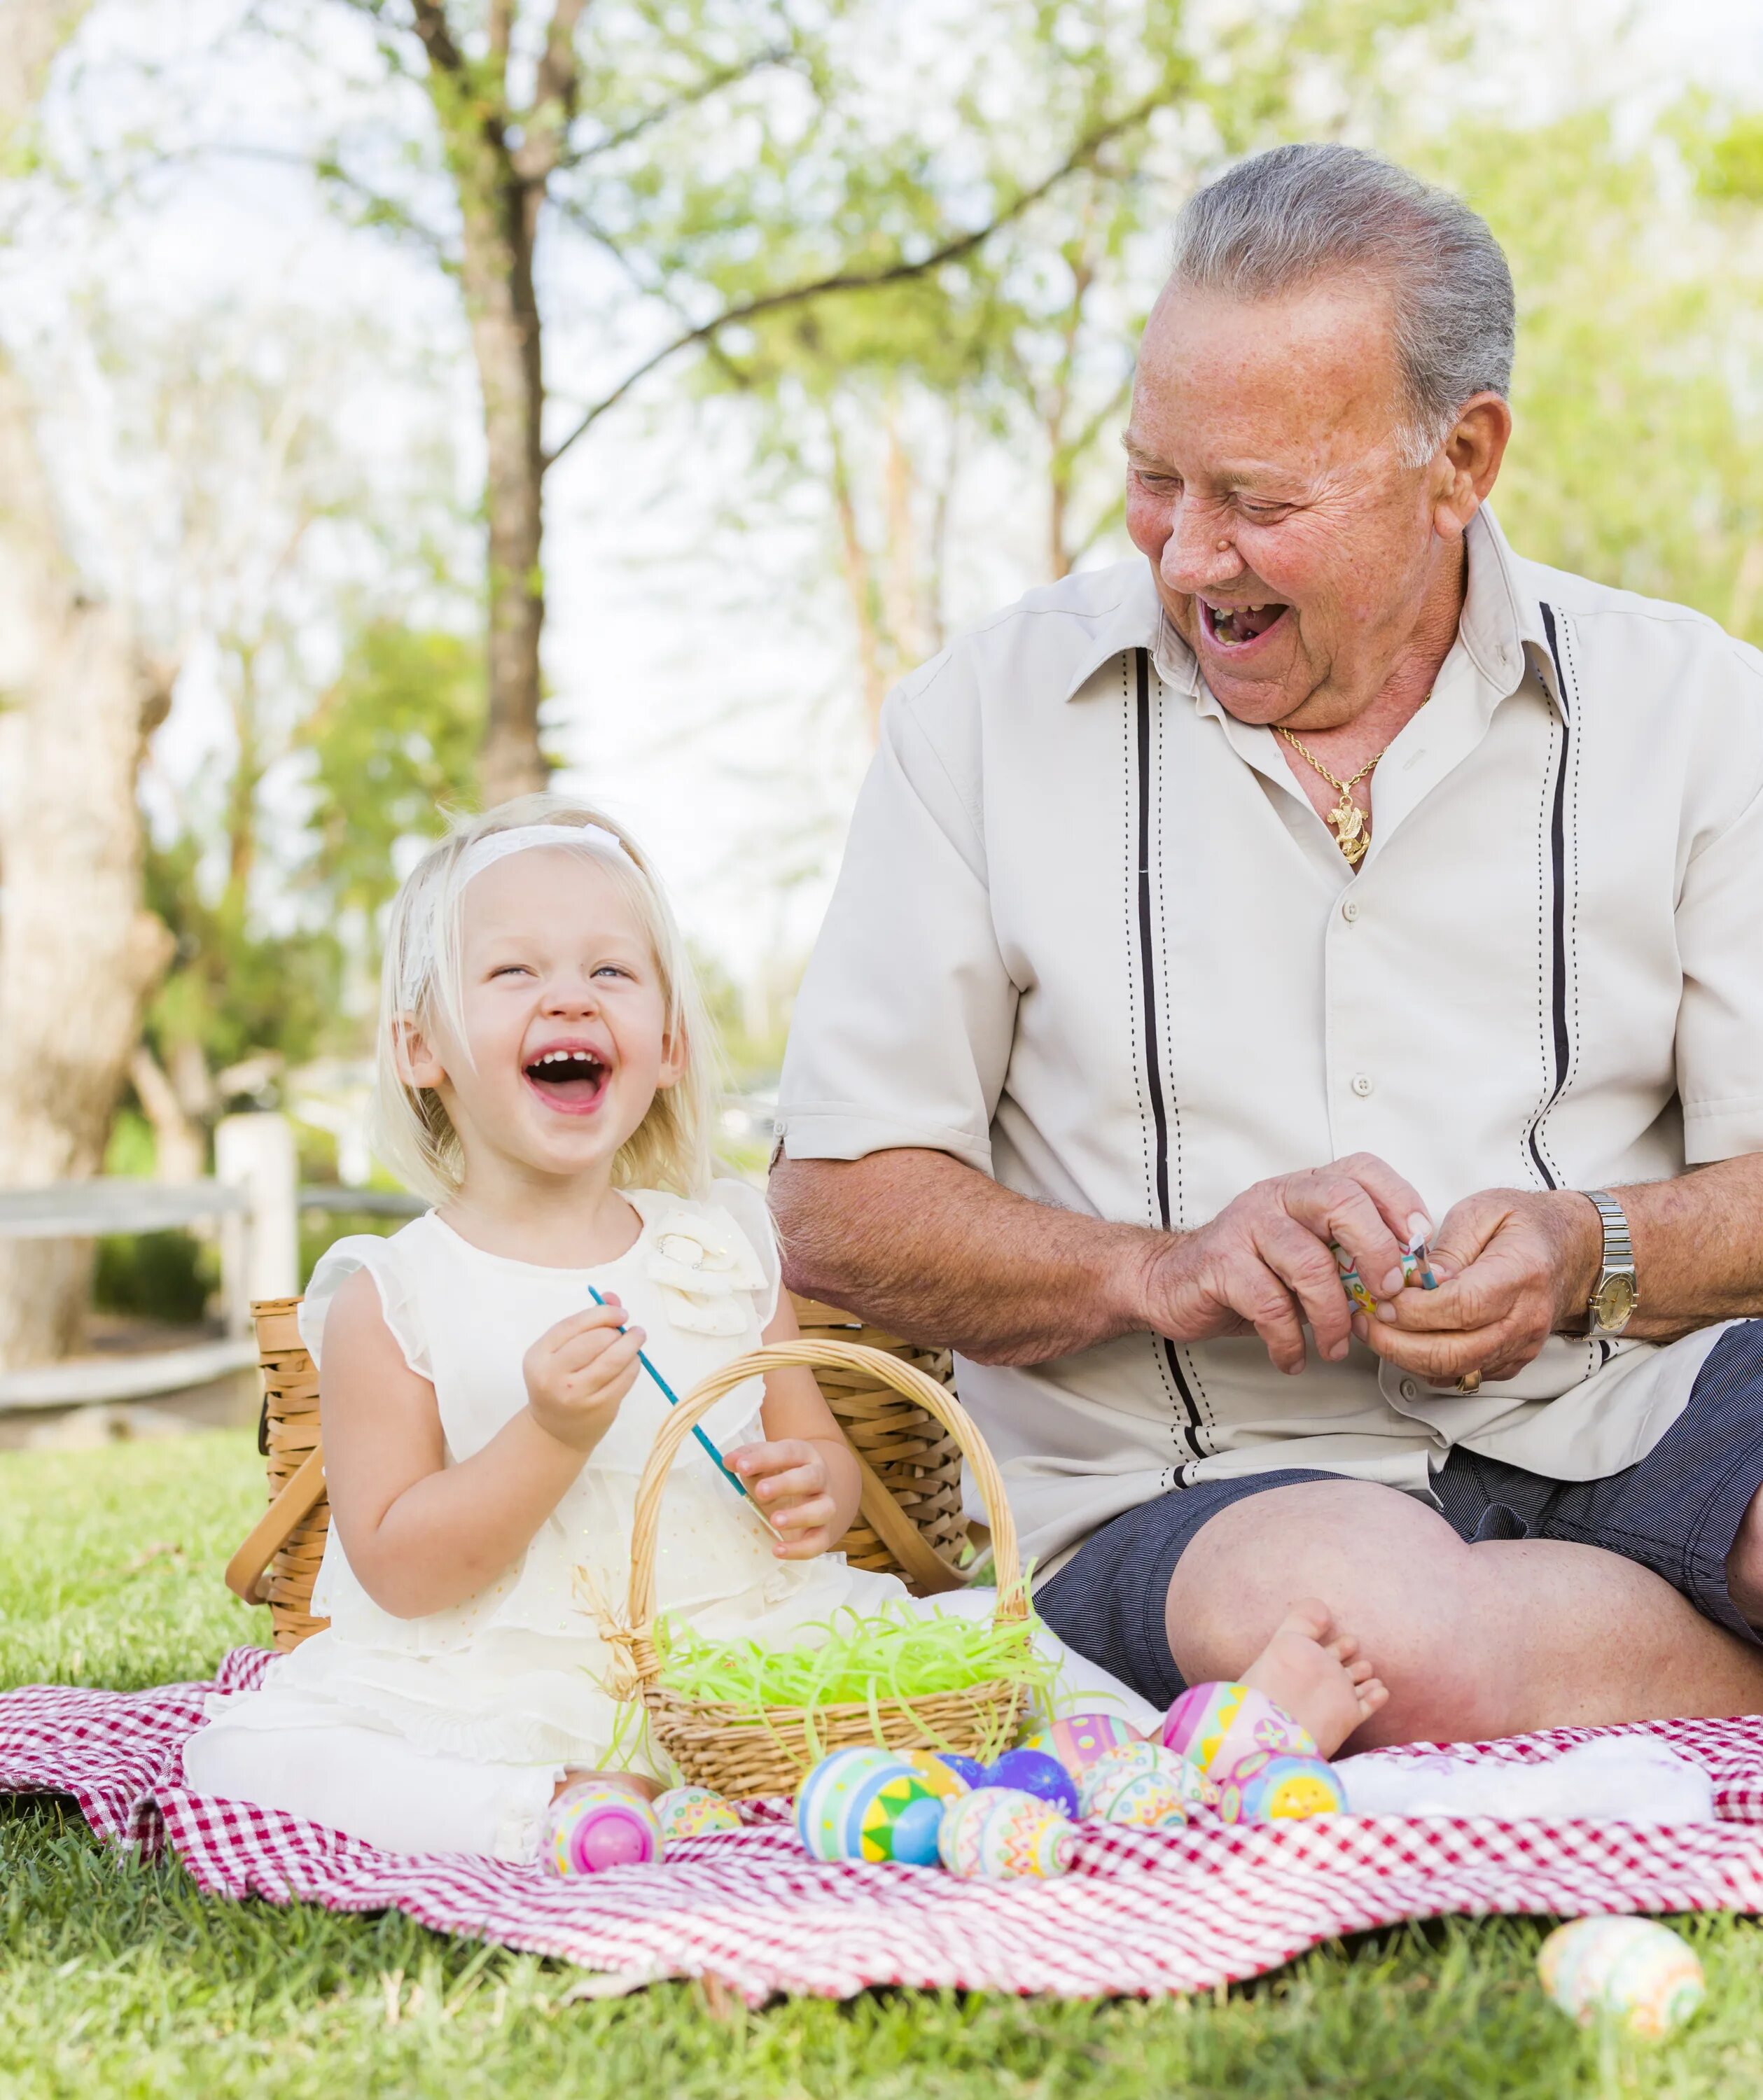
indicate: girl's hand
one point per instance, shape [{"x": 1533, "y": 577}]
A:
[
  {"x": 789, "y": 1480},
  {"x": 579, "y": 1371}
]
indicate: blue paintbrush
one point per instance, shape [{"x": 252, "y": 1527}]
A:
[{"x": 734, "y": 1480}]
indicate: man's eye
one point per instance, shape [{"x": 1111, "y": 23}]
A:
[
  {"x": 1160, "y": 484},
  {"x": 1262, "y": 512}
]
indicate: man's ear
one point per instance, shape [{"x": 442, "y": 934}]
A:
[
  {"x": 1471, "y": 456},
  {"x": 416, "y": 1063}
]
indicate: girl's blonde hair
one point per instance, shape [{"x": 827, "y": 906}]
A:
[{"x": 670, "y": 1148}]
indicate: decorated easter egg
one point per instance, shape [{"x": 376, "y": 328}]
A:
[
  {"x": 597, "y": 1825},
  {"x": 1037, "y": 1772},
  {"x": 866, "y": 1804},
  {"x": 1217, "y": 1725},
  {"x": 1080, "y": 1739},
  {"x": 1141, "y": 1785},
  {"x": 938, "y": 1773},
  {"x": 693, "y": 1811},
  {"x": 1275, "y": 1786},
  {"x": 969, "y": 1769},
  {"x": 1636, "y": 1973},
  {"x": 998, "y": 1833}
]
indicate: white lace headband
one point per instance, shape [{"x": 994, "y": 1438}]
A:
[{"x": 496, "y": 845}]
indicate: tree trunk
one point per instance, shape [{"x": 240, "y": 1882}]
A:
[
  {"x": 78, "y": 951},
  {"x": 500, "y": 216}
]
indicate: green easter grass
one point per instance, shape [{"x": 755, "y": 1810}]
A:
[
  {"x": 120, "y": 1979},
  {"x": 883, "y": 1661}
]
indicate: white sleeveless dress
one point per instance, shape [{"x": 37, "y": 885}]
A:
[{"x": 448, "y": 1731}]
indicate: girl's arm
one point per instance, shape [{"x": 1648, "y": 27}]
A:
[
  {"x": 421, "y": 1534},
  {"x": 804, "y": 1477}
]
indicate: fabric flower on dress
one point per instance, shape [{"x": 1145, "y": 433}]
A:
[{"x": 701, "y": 1263}]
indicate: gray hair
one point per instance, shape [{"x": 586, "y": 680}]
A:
[{"x": 1295, "y": 213}]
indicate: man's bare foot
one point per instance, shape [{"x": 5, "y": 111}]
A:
[{"x": 1316, "y": 1673}]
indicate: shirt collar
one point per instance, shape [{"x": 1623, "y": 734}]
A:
[{"x": 1501, "y": 625}]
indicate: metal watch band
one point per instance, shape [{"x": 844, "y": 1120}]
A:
[{"x": 1619, "y": 1257}]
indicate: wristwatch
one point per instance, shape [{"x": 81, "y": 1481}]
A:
[{"x": 1616, "y": 1295}]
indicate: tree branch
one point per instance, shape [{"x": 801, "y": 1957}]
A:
[
  {"x": 701, "y": 90},
  {"x": 545, "y": 125},
  {"x": 863, "y": 280}
]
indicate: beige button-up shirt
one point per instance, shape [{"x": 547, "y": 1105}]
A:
[{"x": 1090, "y": 938}]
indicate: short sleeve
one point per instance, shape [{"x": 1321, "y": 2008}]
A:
[
  {"x": 384, "y": 1260},
  {"x": 745, "y": 1206},
  {"x": 902, "y": 1031},
  {"x": 1719, "y": 1020}
]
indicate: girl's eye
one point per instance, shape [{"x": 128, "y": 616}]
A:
[
  {"x": 510, "y": 969},
  {"x": 611, "y": 970}
]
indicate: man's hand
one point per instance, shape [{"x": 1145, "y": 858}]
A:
[
  {"x": 790, "y": 1481},
  {"x": 1514, "y": 1267},
  {"x": 1264, "y": 1262},
  {"x": 578, "y": 1372}
]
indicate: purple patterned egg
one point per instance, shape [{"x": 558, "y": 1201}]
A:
[
  {"x": 1217, "y": 1725},
  {"x": 693, "y": 1811},
  {"x": 1036, "y": 1772},
  {"x": 1080, "y": 1739},
  {"x": 996, "y": 1834},
  {"x": 1273, "y": 1786},
  {"x": 597, "y": 1825},
  {"x": 1143, "y": 1785}
]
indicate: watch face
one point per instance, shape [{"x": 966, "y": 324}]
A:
[{"x": 1613, "y": 1302}]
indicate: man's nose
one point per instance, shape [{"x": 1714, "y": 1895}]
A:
[{"x": 1193, "y": 559}]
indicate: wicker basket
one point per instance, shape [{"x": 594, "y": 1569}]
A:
[
  {"x": 909, "y": 1524},
  {"x": 739, "y": 1753}
]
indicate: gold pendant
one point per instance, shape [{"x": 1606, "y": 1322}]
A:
[{"x": 1349, "y": 822}]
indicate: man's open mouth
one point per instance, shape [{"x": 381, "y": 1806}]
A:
[
  {"x": 1236, "y": 626},
  {"x": 572, "y": 1081}
]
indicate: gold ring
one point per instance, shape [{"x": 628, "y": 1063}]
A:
[{"x": 1470, "y": 1382}]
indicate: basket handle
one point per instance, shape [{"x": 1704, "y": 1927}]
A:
[
  {"x": 276, "y": 1526},
  {"x": 904, "y": 1378}
]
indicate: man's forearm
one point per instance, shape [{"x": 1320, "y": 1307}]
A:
[
  {"x": 936, "y": 1252},
  {"x": 1698, "y": 1247}
]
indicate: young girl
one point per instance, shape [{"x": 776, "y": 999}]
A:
[{"x": 544, "y": 1076}]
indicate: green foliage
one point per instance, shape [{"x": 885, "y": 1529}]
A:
[
  {"x": 234, "y": 987},
  {"x": 1731, "y": 164},
  {"x": 394, "y": 747},
  {"x": 1638, "y": 453},
  {"x": 156, "y": 1275},
  {"x": 117, "y": 1977}
]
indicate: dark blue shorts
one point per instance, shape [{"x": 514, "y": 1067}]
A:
[{"x": 1677, "y": 1512}]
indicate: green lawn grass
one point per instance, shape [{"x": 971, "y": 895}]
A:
[{"x": 120, "y": 1979}]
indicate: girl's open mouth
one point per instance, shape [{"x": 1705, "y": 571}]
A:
[
  {"x": 1237, "y": 627},
  {"x": 571, "y": 1082}
]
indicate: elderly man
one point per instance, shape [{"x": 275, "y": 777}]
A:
[{"x": 1332, "y": 877}]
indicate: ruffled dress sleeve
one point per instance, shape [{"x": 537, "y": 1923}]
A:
[{"x": 383, "y": 1259}]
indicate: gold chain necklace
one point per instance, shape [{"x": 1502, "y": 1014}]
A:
[{"x": 1347, "y": 817}]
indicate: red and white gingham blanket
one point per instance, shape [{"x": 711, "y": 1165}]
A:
[{"x": 1141, "y": 1912}]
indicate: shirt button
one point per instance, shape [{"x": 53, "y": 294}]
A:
[
  {"x": 1350, "y": 910},
  {"x": 1362, "y": 1084},
  {"x": 1408, "y": 1389}
]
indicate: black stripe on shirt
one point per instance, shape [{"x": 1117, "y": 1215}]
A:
[
  {"x": 1557, "y": 858},
  {"x": 1148, "y": 1001}
]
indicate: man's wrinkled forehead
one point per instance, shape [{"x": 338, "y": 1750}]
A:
[{"x": 1264, "y": 385}]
